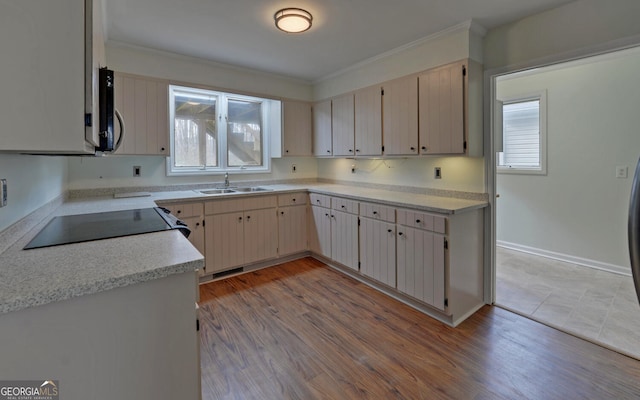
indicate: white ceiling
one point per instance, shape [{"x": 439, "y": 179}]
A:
[{"x": 344, "y": 32}]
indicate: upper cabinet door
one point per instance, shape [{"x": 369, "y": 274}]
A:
[
  {"x": 342, "y": 121},
  {"x": 42, "y": 79},
  {"x": 368, "y": 121},
  {"x": 441, "y": 110},
  {"x": 143, "y": 103},
  {"x": 297, "y": 128},
  {"x": 400, "y": 105},
  {"x": 322, "y": 146}
]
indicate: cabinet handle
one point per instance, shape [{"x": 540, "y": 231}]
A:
[
  {"x": 248, "y": 217},
  {"x": 413, "y": 148},
  {"x": 294, "y": 200},
  {"x": 286, "y": 151},
  {"x": 281, "y": 212},
  {"x": 317, "y": 200},
  {"x": 178, "y": 212},
  {"x": 197, "y": 223},
  {"x": 161, "y": 148},
  {"x": 357, "y": 150},
  {"x": 400, "y": 233},
  {"x": 389, "y": 230},
  {"x": 417, "y": 221},
  {"x": 239, "y": 218},
  {"x": 350, "y": 151},
  {"x": 375, "y": 213},
  {"x": 328, "y": 151},
  {"x": 424, "y": 147},
  {"x": 326, "y": 215},
  {"x": 333, "y": 216},
  {"x": 343, "y": 206}
]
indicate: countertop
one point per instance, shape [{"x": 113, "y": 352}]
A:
[{"x": 30, "y": 278}]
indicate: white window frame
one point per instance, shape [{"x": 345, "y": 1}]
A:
[
  {"x": 267, "y": 126},
  {"x": 541, "y": 96}
]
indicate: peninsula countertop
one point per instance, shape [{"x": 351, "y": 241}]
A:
[{"x": 30, "y": 278}]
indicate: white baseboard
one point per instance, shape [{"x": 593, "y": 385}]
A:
[{"x": 616, "y": 269}]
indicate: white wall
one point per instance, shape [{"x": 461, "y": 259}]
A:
[
  {"x": 117, "y": 171},
  {"x": 567, "y": 30},
  {"x": 465, "y": 174},
  {"x": 579, "y": 208},
  {"x": 193, "y": 70},
  {"x": 32, "y": 182}
]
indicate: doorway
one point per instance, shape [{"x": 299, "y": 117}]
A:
[{"x": 561, "y": 255}]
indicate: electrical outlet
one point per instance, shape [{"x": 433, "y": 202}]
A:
[
  {"x": 3, "y": 192},
  {"x": 137, "y": 170},
  {"x": 294, "y": 168},
  {"x": 622, "y": 171},
  {"x": 353, "y": 168},
  {"x": 437, "y": 173}
]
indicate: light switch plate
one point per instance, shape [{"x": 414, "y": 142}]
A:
[
  {"x": 3, "y": 192},
  {"x": 622, "y": 171}
]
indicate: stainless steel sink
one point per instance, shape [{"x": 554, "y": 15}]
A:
[
  {"x": 216, "y": 191},
  {"x": 251, "y": 189}
]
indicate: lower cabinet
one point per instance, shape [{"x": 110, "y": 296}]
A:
[
  {"x": 421, "y": 265},
  {"x": 344, "y": 238},
  {"x": 292, "y": 230},
  {"x": 320, "y": 231},
  {"x": 240, "y": 232},
  {"x": 191, "y": 214},
  {"x": 378, "y": 250}
]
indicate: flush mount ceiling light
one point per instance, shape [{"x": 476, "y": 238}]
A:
[{"x": 293, "y": 20}]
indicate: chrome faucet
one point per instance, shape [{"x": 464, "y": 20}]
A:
[{"x": 226, "y": 179}]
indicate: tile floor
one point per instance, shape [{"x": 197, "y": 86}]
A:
[{"x": 599, "y": 306}]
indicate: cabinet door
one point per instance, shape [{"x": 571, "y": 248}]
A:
[
  {"x": 421, "y": 265},
  {"x": 441, "y": 110},
  {"x": 260, "y": 235},
  {"x": 197, "y": 237},
  {"x": 297, "y": 128},
  {"x": 378, "y": 250},
  {"x": 344, "y": 238},
  {"x": 292, "y": 230},
  {"x": 368, "y": 121},
  {"x": 400, "y": 105},
  {"x": 320, "y": 231},
  {"x": 224, "y": 241},
  {"x": 342, "y": 122},
  {"x": 143, "y": 103},
  {"x": 322, "y": 146}
]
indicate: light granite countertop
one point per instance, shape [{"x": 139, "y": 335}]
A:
[{"x": 36, "y": 277}]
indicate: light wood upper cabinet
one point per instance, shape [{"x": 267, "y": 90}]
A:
[
  {"x": 442, "y": 110},
  {"x": 450, "y": 109},
  {"x": 143, "y": 103},
  {"x": 322, "y": 142},
  {"x": 297, "y": 128},
  {"x": 400, "y": 116},
  {"x": 342, "y": 121},
  {"x": 368, "y": 121}
]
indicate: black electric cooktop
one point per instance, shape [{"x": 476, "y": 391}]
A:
[{"x": 69, "y": 229}]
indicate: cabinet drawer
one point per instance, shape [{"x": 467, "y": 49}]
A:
[
  {"x": 239, "y": 204},
  {"x": 320, "y": 200},
  {"x": 421, "y": 220},
  {"x": 185, "y": 210},
  {"x": 292, "y": 199},
  {"x": 377, "y": 211},
  {"x": 349, "y": 206}
]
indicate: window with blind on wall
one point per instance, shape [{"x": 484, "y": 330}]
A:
[{"x": 524, "y": 135}]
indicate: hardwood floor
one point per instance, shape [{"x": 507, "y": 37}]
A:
[{"x": 301, "y": 330}]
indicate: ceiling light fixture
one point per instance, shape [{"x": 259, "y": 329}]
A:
[{"x": 293, "y": 20}]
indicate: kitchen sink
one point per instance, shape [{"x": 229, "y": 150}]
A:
[
  {"x": 234, "y": 190},
  {"x": 216, "y": 191},
  {"x": 251, "y": 189}
]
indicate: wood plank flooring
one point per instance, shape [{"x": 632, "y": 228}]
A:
[{"x": 301, "y": 330}]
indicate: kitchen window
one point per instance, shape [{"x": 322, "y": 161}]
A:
[
  {"x": 524, "y": 135},
  {"x": 213, "y": 132}
]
